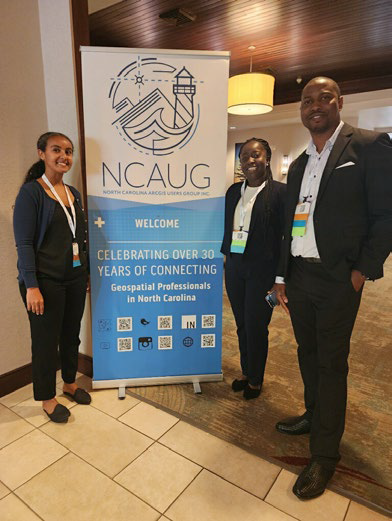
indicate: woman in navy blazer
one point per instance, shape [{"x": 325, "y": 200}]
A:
[
  {"x": 50, "y": 234},
  {"x": 254, "y": 212}
]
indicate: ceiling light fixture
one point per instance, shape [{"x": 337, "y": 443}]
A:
[{"x": 251, "y": 93}]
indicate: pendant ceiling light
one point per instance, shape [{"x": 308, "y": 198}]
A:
[{"x": 251, "y": 93}]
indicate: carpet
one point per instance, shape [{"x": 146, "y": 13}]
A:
[{"x": 365, "y": 470}]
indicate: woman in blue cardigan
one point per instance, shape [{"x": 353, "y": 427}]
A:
[{"x": 50, "y": 234}]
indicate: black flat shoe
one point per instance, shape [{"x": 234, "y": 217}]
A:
[
  {"x": 239, "y": 385},
  {"x": 312, "y": 481},
  {"x": 250, "y": 393},
  {"x": 79, "y": 396},
  {"x": 294, "y": 426},
  {"x": 60, "y": 414}
]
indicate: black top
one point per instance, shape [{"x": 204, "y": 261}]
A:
[
  {"x": 265, "y": 232},
  {"x": 33, "y": 214},
  {"x": 55, "y": 257}
]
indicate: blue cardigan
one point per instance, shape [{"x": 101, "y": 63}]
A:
[{"x": 32, "y": 215}]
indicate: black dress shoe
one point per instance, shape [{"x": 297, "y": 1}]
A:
[
  {"x": 312, "y": 481},
  {"x": 239, "y": 385},
  {"x": 79, "y": 396},
  {"x": 250, "y": 393},
  {"x": 296, "y": 425},
  {"x": 60, "y": 414}
]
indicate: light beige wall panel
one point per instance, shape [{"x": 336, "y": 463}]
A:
[
  {"x": 59, "y": 76},
  {"x": 23, "y": 116},
  {"x": 61, "y": 99}
]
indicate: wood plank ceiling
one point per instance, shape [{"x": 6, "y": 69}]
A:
[{"x": 349, "y": 40}]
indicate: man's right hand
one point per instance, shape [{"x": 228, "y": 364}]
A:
[
  {"x": 35, "y": 301},
  {"x": 280, "y": 290}
]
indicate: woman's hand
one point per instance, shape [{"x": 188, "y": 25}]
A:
[
  {"x": 280, "y": 290},
  {"x": 357, "y": 280},
  {"x": 35, "y": 301}
]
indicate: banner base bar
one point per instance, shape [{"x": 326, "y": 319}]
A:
[{"x": 161, "y": 380}]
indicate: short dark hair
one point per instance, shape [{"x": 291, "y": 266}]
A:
[{"x": 325, "y": 78}]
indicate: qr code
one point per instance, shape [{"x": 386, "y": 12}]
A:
[
  {"x": 165, "y": 322},
  {"x": 207, "y": 340},
  {"x": 124, "y": 344},
  {"x": 124, "y": 323},
  {"x": 208, "y": 321},
  {"x": 104, "y": 324},
  {"x": 165, "y": 342}
]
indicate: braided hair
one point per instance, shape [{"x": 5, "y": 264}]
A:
[
  {"x": 267, "y": 149},
  {"x": 37, "y": 170},
  {"x": 268, "y": 178}
]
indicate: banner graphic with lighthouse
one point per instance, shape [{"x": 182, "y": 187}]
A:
[{"x": 156, "y": 132}]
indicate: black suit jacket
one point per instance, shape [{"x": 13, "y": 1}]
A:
[
  {"x": 353, "y": 212},
  {"x": 264, "y": 240}
]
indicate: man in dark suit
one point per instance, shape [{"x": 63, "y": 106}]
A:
[{"x": 338, "y": 233}]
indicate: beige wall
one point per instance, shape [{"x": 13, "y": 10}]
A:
[
  {"x": 59, "y": 79},
  {"x": 61, "y": 100},
  {"x": 23, "y": 111},
  {"x": 37, "y": 93}
]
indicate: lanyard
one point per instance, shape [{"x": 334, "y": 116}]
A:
[
  {"x": 244, "y": 209},
  {"x": 71, "y": 220}
]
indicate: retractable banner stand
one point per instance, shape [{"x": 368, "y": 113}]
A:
[{"x": 156, "y": 133}]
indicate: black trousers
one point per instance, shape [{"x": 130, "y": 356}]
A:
[
  {"x": 246, "y": 286},
  {"x": 57, "y": 328},
  {"x": 323, "y": 312}
]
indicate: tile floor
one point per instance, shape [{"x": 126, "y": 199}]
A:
[{"x": 127, "y": 460}]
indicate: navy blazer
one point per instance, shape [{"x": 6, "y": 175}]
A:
[
  {"x": 33, "y": 214},
  {"x": 263, "y": 244},
  {"x": 353, "y": 212}
]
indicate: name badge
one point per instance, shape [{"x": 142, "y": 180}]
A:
[
  {"x": 300, "y": 219},
  {"x": 75, "y": 252},
  {"x": 238, "y": 241}
]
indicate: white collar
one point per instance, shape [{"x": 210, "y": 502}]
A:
[{"x": 311, "y": 148}]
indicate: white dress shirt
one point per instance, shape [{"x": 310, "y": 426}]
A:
[
  {"x": 247, "y": 203},
  {"x": 306, "y": 246}
]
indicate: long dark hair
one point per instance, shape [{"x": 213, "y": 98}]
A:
[{"x": 37, "y": 170}]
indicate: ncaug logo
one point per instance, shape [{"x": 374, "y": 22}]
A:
[{"x": 153, "y": 104}]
